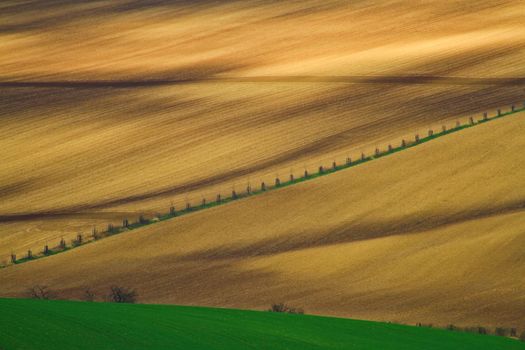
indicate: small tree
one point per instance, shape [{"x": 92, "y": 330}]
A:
[
  {"x": 78, "y": 241},
  {"x": 40, "y": 292},
  {"x": 122, "y": 295},
  {"x": 94, "y": 233}
]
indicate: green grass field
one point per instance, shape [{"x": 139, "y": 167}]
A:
[{"x": 35, "y": 324}]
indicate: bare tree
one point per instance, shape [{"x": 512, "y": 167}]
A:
[
  {"x": 40, "y": 292},
  {"x": 122, "y": 295}
]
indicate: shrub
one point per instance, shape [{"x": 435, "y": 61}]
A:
[
  {"x": 502, "y": 332},
  {"x": 40, "y": 292},
  {"x": 427, "y": 325},
  {"x": 281, "y": 307},
  {"x": 482, "y": 330},
  {"x": 89, "y": 295},
  {"x": 122, "y": 295},
  {"x": 451, "y": 327}
]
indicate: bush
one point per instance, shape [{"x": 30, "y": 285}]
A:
[
  {"x": 451, "y": 327},
  {"x": 478, "y": 330},
  {"x": 502, "y": 332},
  {"x": 281, "y": 307},
  {"x": 122, "y": 295},
  {"x": 482, "y": 330},
  {"x": 89, "y": 295},
  {"x": 40, "y": 292}
]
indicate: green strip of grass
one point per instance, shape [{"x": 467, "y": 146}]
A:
[
  {"x": 50, "y": 325},
  {"x": 310, "y": 176}
]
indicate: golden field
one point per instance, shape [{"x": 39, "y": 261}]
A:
[
  {"x": 433, "y": 234},
  {"x": 116, "y": 109}
]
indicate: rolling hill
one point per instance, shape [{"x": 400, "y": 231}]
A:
[
  {"x": 113, "y": 109},
  {"x": 74, "y": 325},
  {"x": 432, "y": 234}
]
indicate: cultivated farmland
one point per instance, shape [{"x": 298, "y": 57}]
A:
[
  {"x": 416, "y": 243},
  {"x": 106, "y": 122},
  {"x": 116, "y": 112}
]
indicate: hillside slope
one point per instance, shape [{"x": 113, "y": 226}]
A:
[
  {"x": 431, "y": 234},
  {"x": 113, "y": 109},
  {"x": 110, "y": 326}
]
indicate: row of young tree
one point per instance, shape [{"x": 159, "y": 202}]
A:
[
  {"x": 142, "y": 220},
  {"x": 499, "y": 331}
]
